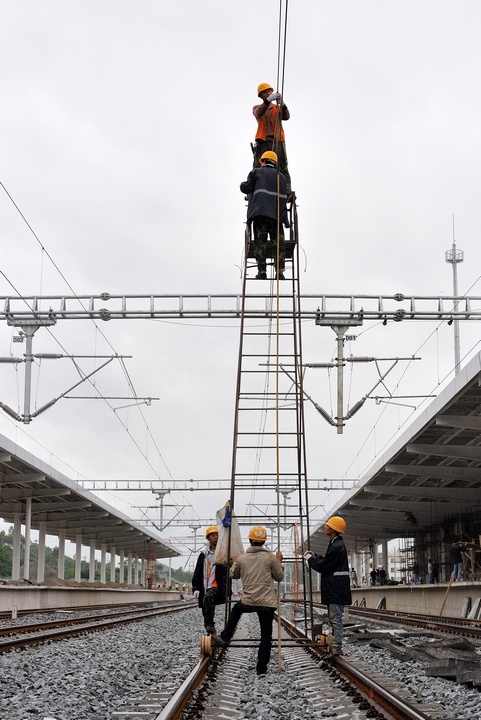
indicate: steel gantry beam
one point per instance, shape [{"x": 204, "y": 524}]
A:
[{"x": 48, "y": 309}]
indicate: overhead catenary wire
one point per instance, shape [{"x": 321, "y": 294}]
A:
[{"x": 45, "y": 253}]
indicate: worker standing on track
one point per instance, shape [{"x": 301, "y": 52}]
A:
[
  {"x": 257, "y": 568},
  {"x": 335, "y": 585},
  {"x": 270, "y": 133},
  {"x": 209, "y": 581},
  {"x": 267, "y": 210}
]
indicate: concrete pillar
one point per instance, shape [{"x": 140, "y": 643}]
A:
[
  {"x": 385, "y": 557},
  {"x": 92, "y": 561},
  {"x": 28, "y": 525},
  {"x": 112, "y": 563},
  {"x": 121, "y": 566},
  {"x": 17, "y": 538},
  {"x": 136, "y": 570},
  {"x": 142, "y": 571},
  {"x": 42, "y": 530},
  {"x": 129, "y": 569},
  {"x": 78, "y": 558},
  {"x": 367, "y": 570},
  {"x": 103, "y": 552},
  {"x": 375, "y": 556},
  {"x": 61, "y": 555}
]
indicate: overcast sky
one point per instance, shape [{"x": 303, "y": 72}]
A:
[{"x": 125, "y": 130}]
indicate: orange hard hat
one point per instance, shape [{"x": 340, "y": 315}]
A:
[
  {"x": 211, "y": 529},
  {"x": 269, "y": 155},
  {"x": 337, "y": 524},
  {"x": 262, "y": 87},
  {"x": 257, "y": 533}
]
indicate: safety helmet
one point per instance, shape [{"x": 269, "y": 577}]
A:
[
  {"x": 269, "y": 155},
  {"x": 211, "y": 529},
  {"x": 262, "y": 87},
  {"x": 337, "y": 524},
  {"x": 257, "y": 533}
]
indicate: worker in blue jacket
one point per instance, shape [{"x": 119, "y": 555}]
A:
[
  {"x": 335, "y": 582},
  {"x": 267, "y": 210}
]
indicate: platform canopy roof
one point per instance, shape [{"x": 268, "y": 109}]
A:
[
  {"x": 64, "y": 505},
  {"x": 429, "y": 477}
]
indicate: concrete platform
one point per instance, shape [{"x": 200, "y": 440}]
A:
[
  {"x": 40, "y": 597},
  {"x": 424, "y": 599}
]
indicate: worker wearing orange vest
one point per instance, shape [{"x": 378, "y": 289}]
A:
[
  {"x": 270, "y": 133},
  {"x": 209, "y": 581}
]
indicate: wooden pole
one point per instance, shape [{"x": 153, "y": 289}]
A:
[{"x": 446, "y": 596}]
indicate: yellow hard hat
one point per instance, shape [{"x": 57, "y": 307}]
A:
[
  {"x": 262, "y": 87},
  {"x": 257, "y": 533},
  {"x": 337, "y": 524},
  {"x": 269, "y": 155},
  {"x": 211, "y": 529}
]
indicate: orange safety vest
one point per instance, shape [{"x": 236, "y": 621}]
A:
[
  {"x": 214, "y": 582},
  {"x": 276, "y": 122}
]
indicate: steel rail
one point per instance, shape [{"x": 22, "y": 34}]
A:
[
  {"x": 174, "y": 708},
  {"x": 68, "y": 622},
  {"x": 65, "y": 632},
  {"x": 456, "y": 626},
  {"x": 373, "y": 693}
]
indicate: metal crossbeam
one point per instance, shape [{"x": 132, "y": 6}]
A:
[{"x": 44, "y": 310}]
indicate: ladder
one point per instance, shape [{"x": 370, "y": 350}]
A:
[{"x": 269, "y": 452}]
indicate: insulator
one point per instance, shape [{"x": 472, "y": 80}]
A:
[
  {"x": 105, "y": 296},
  {"x": 9, "y": 411},
  {"x": 399, "y": 297},
  {"x": 324, "y": 414},
  {"x": 104, "y": 314},
  {"x": 355, "y": 408},
  {"x": 10, "y": 360},
  {"x": 48, "y": 356}
]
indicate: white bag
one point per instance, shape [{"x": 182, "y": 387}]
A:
[{"x": 225, "y": 517}]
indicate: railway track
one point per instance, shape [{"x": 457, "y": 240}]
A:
[
  {"x": 225, "y": 685},
  {"x": 18, "y": 636},
  {"x": 7, "y": 614},
  {"x": 456, "y": 626}
]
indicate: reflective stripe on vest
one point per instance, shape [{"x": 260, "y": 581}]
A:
[
  {"x": 276, "y": 123},
  {"x": 342, "y": 572},
  {"x": 268, "y": 192}
]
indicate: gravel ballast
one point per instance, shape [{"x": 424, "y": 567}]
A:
[{"x": 89, "y": 676}]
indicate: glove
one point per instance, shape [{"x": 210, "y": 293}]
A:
[
  {"x": 196, "y": 594},
  {"x": 275, "y": 96},
  {"x": 308, "y": 554}
]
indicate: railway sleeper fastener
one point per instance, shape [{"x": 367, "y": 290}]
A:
[
  {"x": 357, "y": 699},
  {"x": 373, "y": 714}
]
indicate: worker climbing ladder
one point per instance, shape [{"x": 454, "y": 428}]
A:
[{"x": 269, "y": 451}]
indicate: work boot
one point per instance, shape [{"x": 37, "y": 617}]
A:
[
  {"x": 217, "y": 640},
  {"x": 210, "y": 630},
  {"x": 261, "y": 276},
  {"x": 281, "y": 276}
]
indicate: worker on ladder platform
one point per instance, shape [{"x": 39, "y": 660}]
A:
[
  {"x": 270, "y": 133},
  {"x": 267, "y": 210}
]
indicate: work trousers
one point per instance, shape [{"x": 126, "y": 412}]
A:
[
  {"x": 212, "y": 598},
  {"x": 266, "y": 617},
  {"x": 265, "y": 227},
  {"x": 334, "y": 613},
  {"x": 457, "y": 573},
  {"x": 279, "y": 148}
]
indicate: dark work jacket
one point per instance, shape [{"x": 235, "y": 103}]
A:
[
  {"x": 199, "y": 579},
  {"x": 334, "y": 569},
  {"x": 261, "y": 185}
]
